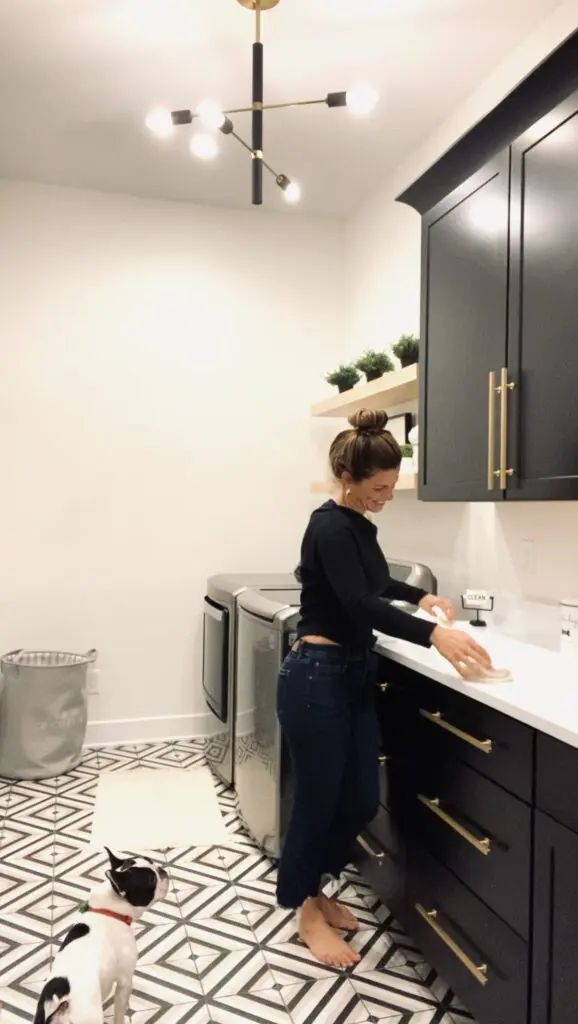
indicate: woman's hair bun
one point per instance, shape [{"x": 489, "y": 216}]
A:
[{"x": 369, "y": 421}]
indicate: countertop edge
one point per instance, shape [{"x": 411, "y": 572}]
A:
[{"x": 490, "y": 699}]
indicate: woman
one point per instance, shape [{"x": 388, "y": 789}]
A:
[{"x": 325, "y": 696}]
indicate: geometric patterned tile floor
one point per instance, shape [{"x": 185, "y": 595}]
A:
[{"x": 218, "y": 950}]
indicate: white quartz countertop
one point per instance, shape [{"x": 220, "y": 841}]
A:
[{"x": 543, "y": 690}]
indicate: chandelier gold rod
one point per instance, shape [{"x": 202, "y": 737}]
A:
[
  {"x": 242, "y": 141},
  {"x": 249, "y": 150},
  {"x": 274, "y": 106}
]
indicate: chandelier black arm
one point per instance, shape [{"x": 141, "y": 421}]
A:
[{"x": 333, "y": 99}]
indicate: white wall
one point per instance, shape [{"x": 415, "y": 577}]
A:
[
  {"x": 527, "y": 553},
  {"x": 158, "y": 360}
]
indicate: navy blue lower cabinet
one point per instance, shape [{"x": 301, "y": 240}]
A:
[
  {"x": 475, "y": 848},
  {"x": 555, "y": 950},
  {"x": 477, "y": 954}
]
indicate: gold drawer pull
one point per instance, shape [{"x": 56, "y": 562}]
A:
[
  {"x": 481, "y": 845},
  {"x": 383, "y": 687},
  {"x": 430, "y": 917},
  {"x": 503, "y": 389},
  {"x": 383, "y": 759},
  {"x": 485, "y": 746},
  {"x": 365, "y": 846}
]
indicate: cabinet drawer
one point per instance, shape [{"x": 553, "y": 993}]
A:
[
  {"x": 383, "y": 834},
  {"x": 497, "y": 746},
  {"x": 381, "y": 858},
  {"x": 395, "y": 704},
  {"x": 480, "y": 831},
  {"x": 392, "y": 674},
  {"x": 393, "y": 780},
  {"x": 474, "y": 951},
  {"x": 557, "y": 780}
]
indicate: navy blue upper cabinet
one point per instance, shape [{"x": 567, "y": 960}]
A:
[
  {"x": 499, "y": 325},
  {"x": 499, "y": 304},
  {"x": 463, "y": 335},
  {"x": 543, "y": 334}
]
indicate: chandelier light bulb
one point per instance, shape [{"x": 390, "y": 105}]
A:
[
  {"x": 210, "y": 115},
  {"x": 204, "y": 146},
  {"x": 160, "y": 123},
  {"x": 292, "y": 194},
  {"x": 362, "y": 98}
]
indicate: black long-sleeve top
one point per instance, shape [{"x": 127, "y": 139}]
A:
[{"x": 346, "y": 584}]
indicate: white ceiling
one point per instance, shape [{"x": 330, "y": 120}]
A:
[{"x": 78, "y": 76}]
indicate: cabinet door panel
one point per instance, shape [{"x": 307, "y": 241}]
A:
[
  {"x": 543, "y": 350},
  {"x": 464, "y": 326},
  {"x": 554, "y": 975}
]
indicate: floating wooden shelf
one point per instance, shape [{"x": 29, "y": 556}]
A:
[
  {"x": 406, "y": 482},
  {"x": 393, "y": 388}
]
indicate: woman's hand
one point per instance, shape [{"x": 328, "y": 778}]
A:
[
  {"x": 467, "y": 657},
  {"x": 431, "y": 601}
]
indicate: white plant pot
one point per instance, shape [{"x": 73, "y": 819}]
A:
[{"x": 406, "y": 465}]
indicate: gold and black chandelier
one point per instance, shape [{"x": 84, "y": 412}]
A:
[{"x": 360, "y": 99}]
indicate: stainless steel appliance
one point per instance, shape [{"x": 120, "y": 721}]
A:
[
  {"x": 266, "y": 629},
  {"x": 415, "y": 573},
  {"x": 219, "y": 646},
  {"x": 267, "y": 624}
]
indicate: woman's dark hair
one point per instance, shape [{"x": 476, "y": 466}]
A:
[{"x": 366, "y": 448}]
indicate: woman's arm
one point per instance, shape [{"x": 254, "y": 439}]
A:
[{"x": 397, "y": 590}]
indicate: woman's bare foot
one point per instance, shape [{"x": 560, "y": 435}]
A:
[
  {"x": 322, "y": 941},
  {"x": 337, "y": 915}
]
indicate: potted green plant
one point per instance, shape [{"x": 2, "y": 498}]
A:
[
  {"x": 374, "y": 364},
  {"x": 414, "y": 441},
  {"x": 344, "y": 377},
  {"x": 407, "y": 349},
  {"x": 406, "y": 458}
]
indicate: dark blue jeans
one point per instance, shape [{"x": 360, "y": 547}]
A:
[{"x": 326, "y": 708}]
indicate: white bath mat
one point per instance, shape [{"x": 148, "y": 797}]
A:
[{"x": 148, "y": 809}]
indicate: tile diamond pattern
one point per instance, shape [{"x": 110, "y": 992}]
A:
[{"x": 218, "y": 950}]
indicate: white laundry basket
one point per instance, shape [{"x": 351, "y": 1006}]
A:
[{"x": 43, "y": 712}]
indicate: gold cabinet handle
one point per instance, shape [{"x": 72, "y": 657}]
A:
[
  {"x": 368, "y": 849},
  {"x": 480, "y": 972},
  {"x": 492, "y": 389},
  {"x": 483, "y": 846},
  {"x": 486, "y": 746},
  {"x": 383, "y": 759},
  {"x": 504, "y": 387},
  {"x": 383, "y": 687}
]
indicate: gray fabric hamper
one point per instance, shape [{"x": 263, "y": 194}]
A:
[{"x": 43, "y": 712}]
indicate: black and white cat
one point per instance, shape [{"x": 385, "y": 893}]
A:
[{"x": 99, "y": 950}]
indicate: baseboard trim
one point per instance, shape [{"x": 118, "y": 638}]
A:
[{"x": 110, "y": 732}]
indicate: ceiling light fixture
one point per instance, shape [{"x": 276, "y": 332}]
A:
[
  {"x": 360, "y": 99},
  {"x": 204, "y": 145}
]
